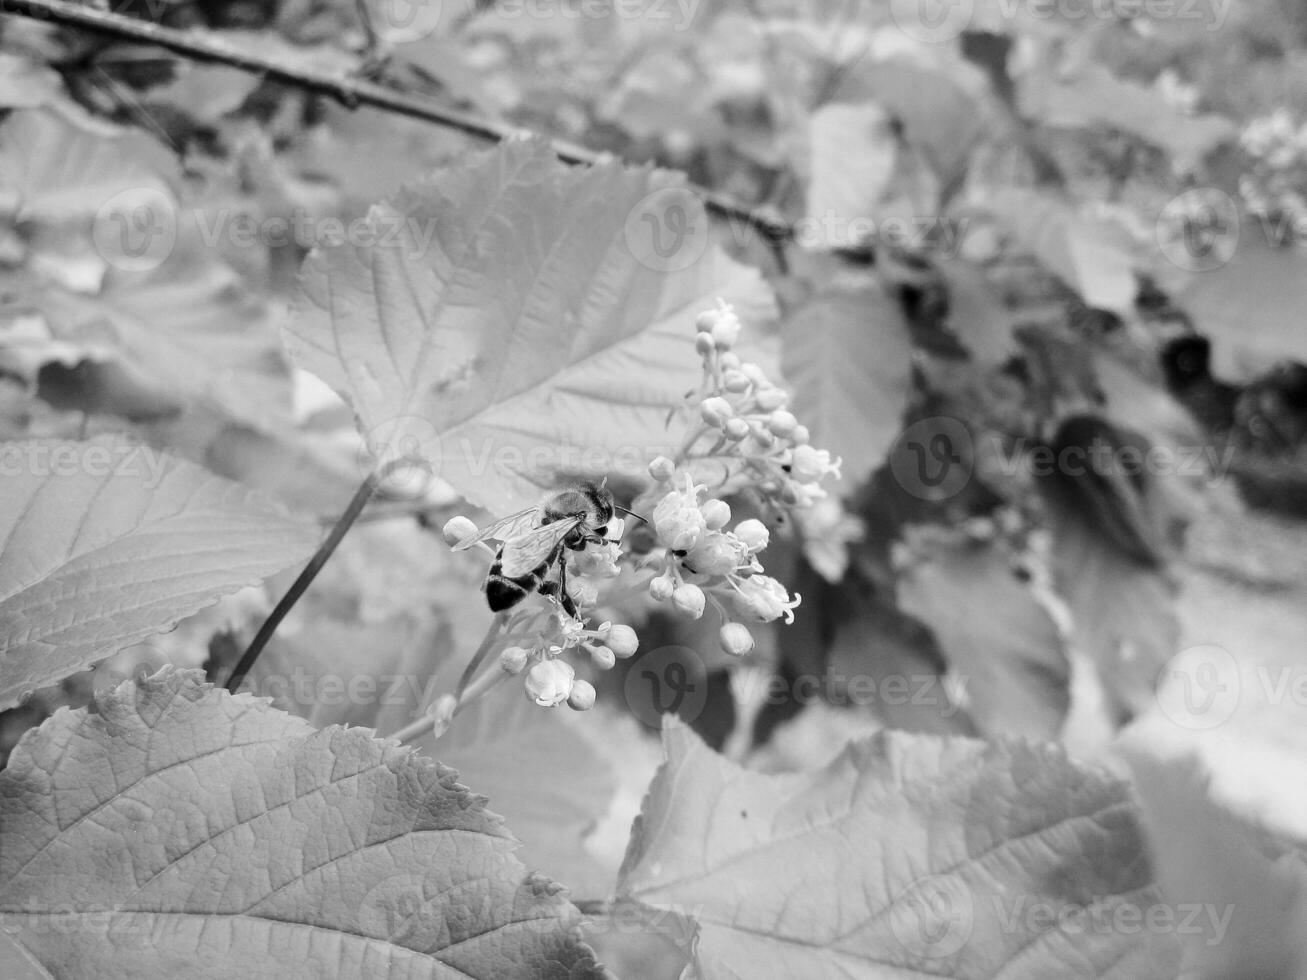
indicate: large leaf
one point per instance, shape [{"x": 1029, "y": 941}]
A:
[
  {"x": 906, "y": 856},
  {"x": 542, "y": 774},
  {"x": 853, "y": 153},
  {"x": 1091, "y": 256},
  {"x": 997, "y": 637},
  {"x": 1219, "y": 761},
  {"x": 519, "y": 318},
  {"x": 103, "y": 544},
  {"x": 848, "y": 356},
  {"x": 180, "y": 831}
]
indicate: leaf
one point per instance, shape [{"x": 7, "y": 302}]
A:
[
  {"x": 906, "y": 856},
  {"x": 542, "y": 774},
  {"x": 977, "y": 313},
  {"x": 1253, "y": 303},
  {"x": 521, "y": 320},
  {"x": 1219, "y": 765},
  {"x": 1092, "y": 257},
  {"x": 848, "y": 356},
  {"x": 27, "y": 84},
  {"x": 51, "y": 169},
  {"x": 105, "y": 543},
  {"x": 1122, "y": 608},
  {"x": 1093, "y": 96},
  {"x": 189, "y": 326},
  {"x": 178, "y": 830},
  {"x": 998, "y": 639},
  {"x": 853, "y": 152}
]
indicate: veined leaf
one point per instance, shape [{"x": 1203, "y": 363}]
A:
[
  {"x": 104, "y": 543},
  {"x": 907, "y": 856},
  {"x": 514, "y": 318},
  {"x": 180, "y": 831},
  {"x": 848, "y": 355}
]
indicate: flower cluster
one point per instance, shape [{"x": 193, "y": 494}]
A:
[
  {"x": 1277, "y": 177},
  {"x": 742, "y": 422},
  {"x": 541, "y": 634},
  {"x": 739, "y": 426}
]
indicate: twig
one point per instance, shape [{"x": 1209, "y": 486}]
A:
[
  {"x": 305, "y": 579},
  {"x": 351, "y": 92}
]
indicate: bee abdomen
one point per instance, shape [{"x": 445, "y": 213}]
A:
[{"x": 503, "y": 592}]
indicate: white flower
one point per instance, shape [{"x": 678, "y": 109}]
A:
[
  {"x": 808, "y": 465},
  {"x": 763, "y": 598},
  {"x": 678, "y": 519},
  {"x": 717, "y": 553},
  {"x": 550, "y": 682}
]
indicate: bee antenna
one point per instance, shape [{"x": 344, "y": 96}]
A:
[{"x": 631, "y": 512}]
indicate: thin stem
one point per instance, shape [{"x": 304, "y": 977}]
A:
[
  {"x": 473, "y": 665},
  {"x": 350, "y": 92},
  {"x": 361, "y": 497}
]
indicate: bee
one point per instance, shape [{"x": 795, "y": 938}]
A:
[{"x": 536, "y": 540}]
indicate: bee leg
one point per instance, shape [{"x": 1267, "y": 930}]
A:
[{"x": 569, "y": 606}]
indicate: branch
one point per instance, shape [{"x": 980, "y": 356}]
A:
[{"x": 351, "y": 92}]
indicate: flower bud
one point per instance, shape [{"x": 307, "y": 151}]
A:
[
  {"x": 513, "y": 659},
  {"x": 735, "y": 381},
  {"x": 582, "y": 696},
  {"x": 725, "y": 332},
  {"x": 661, "y": 469},
  {"x": 442, "y": 714},
  {"x": 662, "y": 587},
  {"x": 735, "y": 429},
  {"x": 770, "y": 399},
  {"x": 706, "y": 320},
  {"x": 550, "y": 682},
  {"x": 716, "y": 513},
  {"x": 755, "y": 374},
  {"x": 689, "y": 600},
  {"x": 601, "y": 656},
  {"x": 800, "y": 435},
  {"x": 729, "y": 359},
  {"x": 754, "y": 534},
  {"x": 782, "y": 423},
  {"x": 623, "y": 641},
  {"x": 703, "y": 343},
  {"x": 716, "y": 410},
  {"x": 762, "y": 437},
  {"x": 735, "y": 639},
  {"x": 458, "y": 529}
]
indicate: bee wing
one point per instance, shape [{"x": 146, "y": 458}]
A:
[
  {"x": 504, "y": 529},
  {"x": 531, "y": 550}
]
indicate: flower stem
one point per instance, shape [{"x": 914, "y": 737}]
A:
[{"x": 325, "y": 550}]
